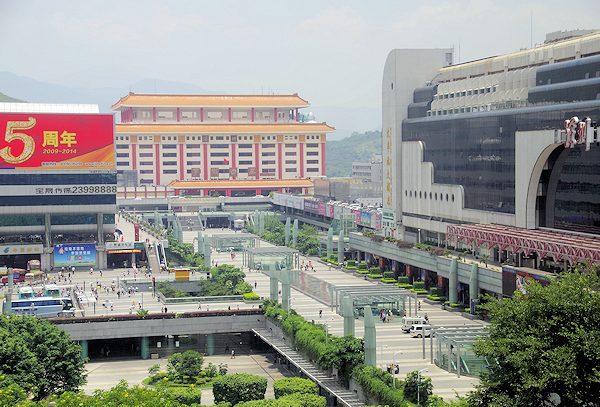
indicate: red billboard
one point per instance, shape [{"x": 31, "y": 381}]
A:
[{"x": 34, "y": 141}]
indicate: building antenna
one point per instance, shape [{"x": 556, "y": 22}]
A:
[{"x": 531, "y": 29}]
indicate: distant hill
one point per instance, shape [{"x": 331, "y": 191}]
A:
[
  {"x": 6, "y": 99},
  {"x": 36, "y": 91},
  {"x": 357, "y": 147}
]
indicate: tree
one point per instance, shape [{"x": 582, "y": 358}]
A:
[
  {"x": 344, "y": 353},
  {"x": 183, "y": 367},
  {"x": 417, "y": 387},
  {"x": 39, "y": 357},
  {"x": 308, "y": 240},
  {"x": 543, "y": 344},
  {"x": 239, "y": 387}
]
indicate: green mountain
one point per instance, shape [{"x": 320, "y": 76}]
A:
[
  {"x": 357, "y": 147},
  {"x": 6, "y": 99}
]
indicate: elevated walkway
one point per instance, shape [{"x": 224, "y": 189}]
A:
[
  {"x": 184, "y": 323},
  {"x": 329, "y": 384}
]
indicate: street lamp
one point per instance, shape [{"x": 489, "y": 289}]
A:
[
  {"x": 419, "y": 384},
  {"x": 394, "y": 367}
]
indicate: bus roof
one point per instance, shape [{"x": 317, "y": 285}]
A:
[{"x": 25, "y": 289}]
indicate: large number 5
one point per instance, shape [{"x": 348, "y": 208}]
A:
[{"x": 10, "y": 136}]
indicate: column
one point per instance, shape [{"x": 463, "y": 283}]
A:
[
  {"x": 295, "y": 233},
  {"x": 134, "y": 156},
  {"x": 47, "y": 228},
  {"x": 340, "y": 254},
  {"x": 329, "y": 243},
  {"x": 210, "y": 344},
  {"x": 157, "y": 162},
  {"x": 370, "y": 338},
  {"x": 273, "y": 288},
  {"x": 473, "y": 285},
  {"x": 301, "y": 159},
  {"x": 453, "y": 282},
  {"x": 205, "y": 160},
  {"x": 83, "y": 353},
  {"x": 100, "y": 228},
  {"x": 348, "y": 314},
  {"x": 145, "y": 347},
  {"x": 252, "y": 115},
  {"x": 181, "y": 161},
  {"x": 257, "y": 160},
  {"x": 228, "y": 192},
  {"x": 275, "y": 114},
  {"x": 279, "y": 161},
  {"x": 323, "y": 172},
  {"x": 286, "y": 294},
  {"x": 154, "y": 114},
  {"x": 201, "y": 114},
  {"x": 229, "y": 114},
  {"x": 207, "y": 252},
  {"x": 287, "y": 230}
]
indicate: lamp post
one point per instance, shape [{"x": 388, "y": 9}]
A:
[
  {"x": 419, "y": 384},
  {"x": 394, "y": 371}
]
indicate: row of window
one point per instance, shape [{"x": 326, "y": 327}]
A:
[
  {"x": 463, "y": 93},
  {"x": 432, "y": 196}
]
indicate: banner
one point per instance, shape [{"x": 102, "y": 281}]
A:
[
  {"x": 34, "y": 141},
  {"x": 76, "y": 254}
]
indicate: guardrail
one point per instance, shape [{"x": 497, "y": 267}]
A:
[
  {"x": 181, "y": 300},
  {"x": 167, "y": 315}
]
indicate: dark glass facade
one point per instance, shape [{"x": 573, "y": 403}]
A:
[
  {"x": 59, "y": 200},
  {"x": 57, "y": 179},
  {"x": 477, "y": 151}
]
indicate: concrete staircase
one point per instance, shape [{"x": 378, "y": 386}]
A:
[{"x": 344, "y": 396}]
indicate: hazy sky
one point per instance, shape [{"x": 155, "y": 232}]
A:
[{"x": 330, "y": 52}]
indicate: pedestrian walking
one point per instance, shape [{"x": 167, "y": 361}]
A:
[
  {"x": 320, "y": 313},
  {"x": 255, "y": 284},
  {"x": 232, "y": 354}
]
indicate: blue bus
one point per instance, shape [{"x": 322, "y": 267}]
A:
[{"x": 44, "y": 307}]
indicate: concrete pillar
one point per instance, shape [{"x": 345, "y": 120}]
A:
[
  {"x": 357, "y": 257},
  {"x": 158, "y": 220},
  {"x": 453, "y": 282},
  {"x": 348, "y": 314},
  {"x": 200, "y": 242},
  {"x": 47, "y": 228},
  {"x": 100, "y": 228},
  {"x": 340, "y": 247},
  {"x": 83, "y": 353},
  {"x": 295, "y": 233},
  {"x": 287, "y": 230},
  {"x": 261, "y": 223},
  {"x": 286, "y": 294},
  {"x": 273, "y": 288},
  {"x": 329, "y": 243},
  {"x": 474, "y": 283},
  {"x": 207, "y": 253},
  {"x": 210, "y": 344},
  {"x": 370, "y": 338},
  {"x": 145, "y": 347},
  {"x": 7, "y": 309}
]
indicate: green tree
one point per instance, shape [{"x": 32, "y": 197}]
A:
[
  {"x": 45, "y": 360},
  {"x": 308, "y": 240},
  {"x": 239, "y": 387},
  {"x": 345, "y": 353},
  {"x": 184, "y": 367},
  {"x": 291, "y": 385},
  {"x": 543, "y": 344},
  {"x": 417, "y": 387}
]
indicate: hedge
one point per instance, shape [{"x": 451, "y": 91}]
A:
[
  {"x": 388, "y": 280},
  {"x": 403, "y": 280},
  {"x": 183, "y": 395},
  {"x": 374, "y": 275},
  {"x": 291, "y": 385},
  {"x": 351, "y": 263},
  {"x": 435, "y": 291},
  {"x": 403, "y": 285},
  {"x": 379, "y": 385},
  {"x": 389, "y": 274},
  {"x": 375, "y": 270},
  {"x": 359, "y": 271},
  {"x": 238, "y": 387},
  {"x": 419, "y": 285},
  {"x": 251, "y": 297},
  {"x": 362, "y": 266},
  {"x": 419, "y": 291},
  {"x": 292, "y": 400},
  {"x": 435, "y": 297}
]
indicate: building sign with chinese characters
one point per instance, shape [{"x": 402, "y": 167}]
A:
[
  {"x": 31, "y": 141},
  {"x": 14, "y": 249},
  {"x": 27, "y": 190}
]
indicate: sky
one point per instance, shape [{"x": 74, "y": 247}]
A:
[{"x": 330, "y": 52}]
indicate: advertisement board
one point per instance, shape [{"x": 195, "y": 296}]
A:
[
  {"x": 311, "y": 206},
  {"x": 76, "y": 254},
  {"x": 34, "y": 141},
  {"x": 329, "y": 210},
  {"x": 516, "y": 278},
  {"x": 365, "y": 218},
  {"x": 321, "y": 210},
  {"x": 376, "y": 220},
  {"x": 14, "y": 249}
]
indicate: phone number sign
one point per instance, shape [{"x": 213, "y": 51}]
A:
[{"x": 56, "y": 141}]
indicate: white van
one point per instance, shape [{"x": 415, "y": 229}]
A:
[
  {"x": 408, "y": 322},
  {"x": 418, "y": 331}
]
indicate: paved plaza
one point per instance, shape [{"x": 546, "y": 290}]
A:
[{"x": 391, "y": 342}]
